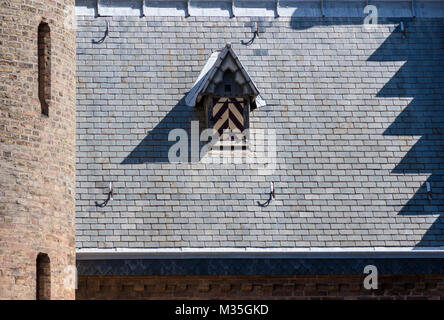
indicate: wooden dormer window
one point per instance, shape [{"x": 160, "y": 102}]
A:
[
  {"x": 228, "y": 94},
  {"x": 229, "y": 120},
  {"x": 228, "y": 113}
]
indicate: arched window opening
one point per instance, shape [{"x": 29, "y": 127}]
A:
[
  {"x": 44, "y": 66},
  {"x": 43, "y": 277}
]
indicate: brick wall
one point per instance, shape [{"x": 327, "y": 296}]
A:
[
  {"x": 259, "y": 287},
  {"x": 37, "y": 155}
]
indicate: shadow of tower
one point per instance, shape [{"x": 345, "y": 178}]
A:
[{"x": 421, "y": 78}]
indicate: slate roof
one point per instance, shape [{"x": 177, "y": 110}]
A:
[{"x": 358, "y": 117}]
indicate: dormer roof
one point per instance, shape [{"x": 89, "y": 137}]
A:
[{"x": 220, "y": 65}]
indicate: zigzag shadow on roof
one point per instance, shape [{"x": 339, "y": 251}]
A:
[{"x": 421, "y": 77}]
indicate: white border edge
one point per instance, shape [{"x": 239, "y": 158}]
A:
[{"x": 261, "y": 253}]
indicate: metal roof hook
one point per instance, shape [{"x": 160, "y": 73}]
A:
[
  {"x": 109, "y": 197},
  {"x": 429, "y": 190},
  {"x": 101, "y": 40},
  {"x": 111, "y": 191},
  {"x": 402, "y": 28},
  {"x": 272, "y": 196},
  {"x": 255, "y": 35},
  {"x": 272, "y": 193}
]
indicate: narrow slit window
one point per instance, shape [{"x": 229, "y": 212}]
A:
[
  {"x": 44, "y": 66},
  {"x": 43, "y": 277}
]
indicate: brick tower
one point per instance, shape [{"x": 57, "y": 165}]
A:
[{"x": 37, "y": 149}]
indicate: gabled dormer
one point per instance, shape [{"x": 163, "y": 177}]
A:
[
  {"x": 228, "y": 94},
  {"x": 222, "y": 70}
]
